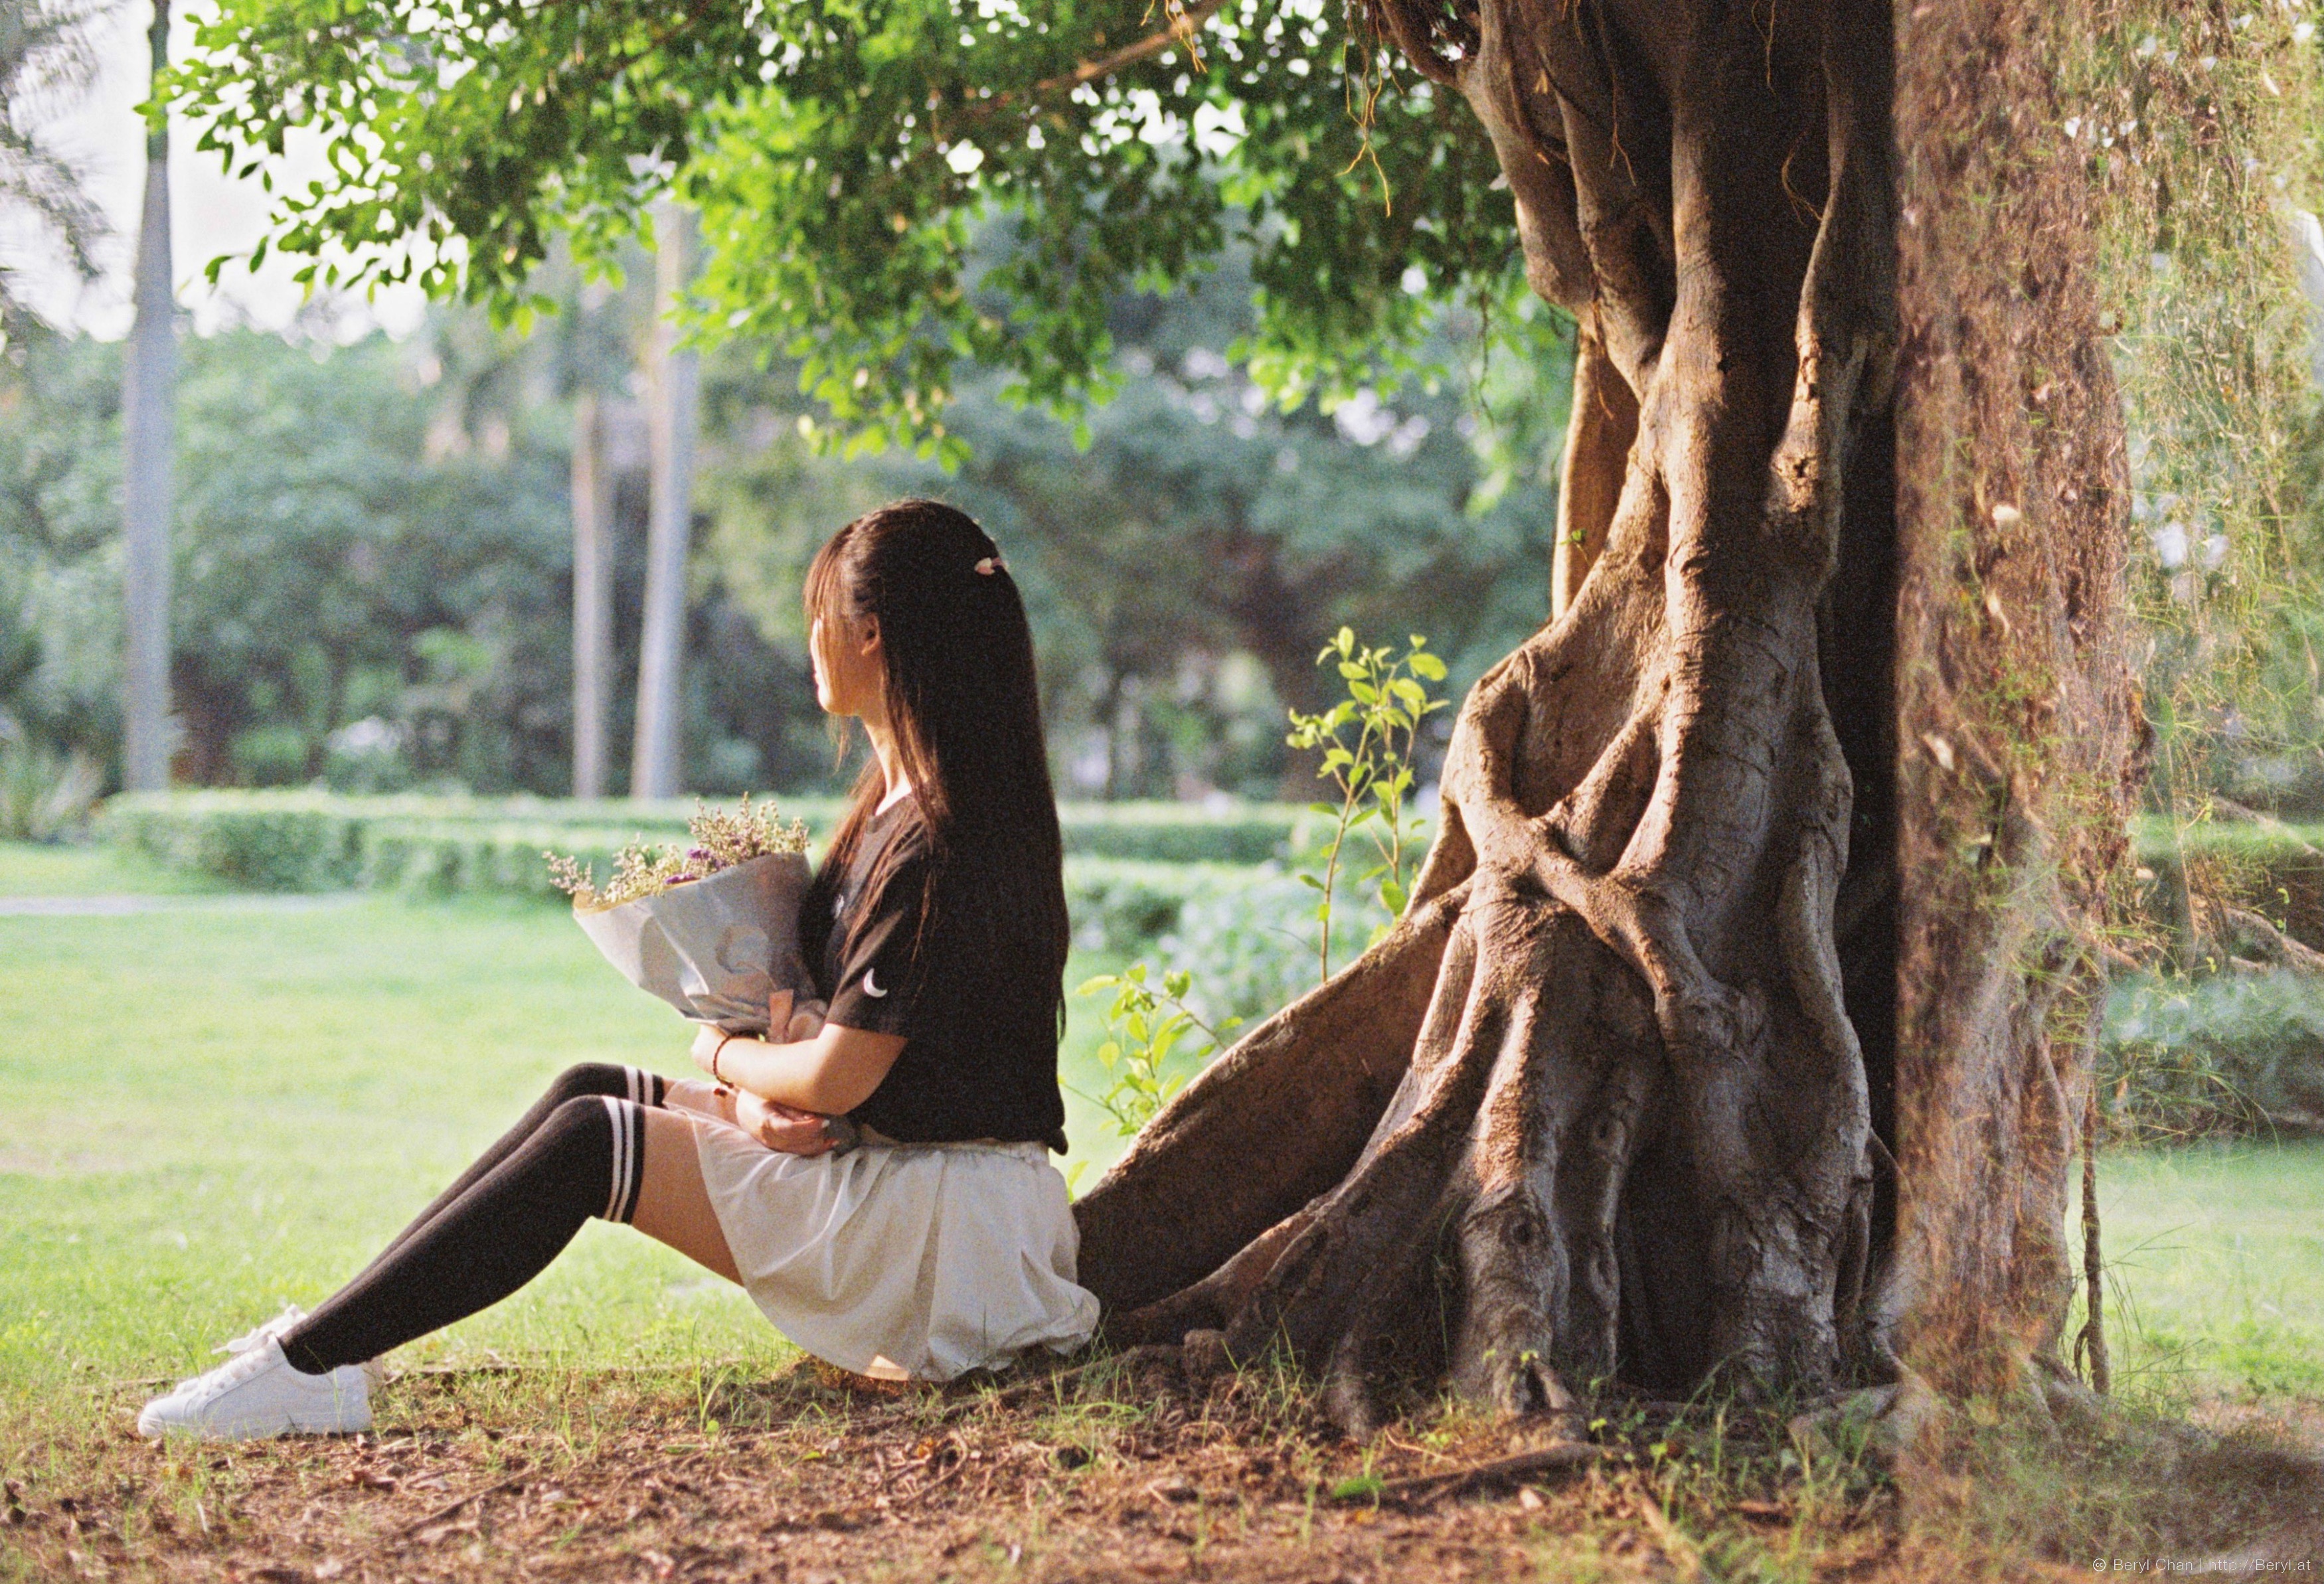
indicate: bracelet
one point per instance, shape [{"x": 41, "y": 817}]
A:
[{"x": 716, "y": 1052}]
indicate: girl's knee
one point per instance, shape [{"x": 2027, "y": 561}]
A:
[
  {"x": 590, "y": 1078},
  {"x": 616, "y": 1083}
]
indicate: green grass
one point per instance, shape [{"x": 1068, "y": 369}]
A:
[
  {"x": 29, "y": 870},
  {"x": 221, "y": 1106},
  {"x": 2217, "y": 1255},
  {"x": 214, "y": 1109}
]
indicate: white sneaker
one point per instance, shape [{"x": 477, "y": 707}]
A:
[
  {"x": 374, "y": 1370},
  {"x": 257, "y": 1393}
]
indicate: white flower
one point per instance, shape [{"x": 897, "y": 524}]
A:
[{"x": 2171, "y": 545}]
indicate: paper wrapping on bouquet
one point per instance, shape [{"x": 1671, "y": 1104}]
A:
[{"x": 714, "y": 948}]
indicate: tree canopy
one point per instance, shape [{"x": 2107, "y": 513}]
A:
[{"x": 845, "y": 155}]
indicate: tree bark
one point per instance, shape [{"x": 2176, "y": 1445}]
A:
[{"x": 1611, "y": 1102}]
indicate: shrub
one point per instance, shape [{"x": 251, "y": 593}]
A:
[
  {"x": 43, "y": 794},
  {"x": 268, "y": 844},
  {"x": 2233, "y": 1053},
  {"x": 1249, "y": 945},
  {"x": 1177, "y": 833},
  {"x": 310, "y": 839}
]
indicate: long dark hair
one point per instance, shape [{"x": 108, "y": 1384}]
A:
[{"x": 966, "y": 707}]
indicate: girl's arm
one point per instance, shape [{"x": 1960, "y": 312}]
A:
[{"x": 832, "y": 1072}]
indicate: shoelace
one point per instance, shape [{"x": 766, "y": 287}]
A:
[
  {"x": 228, "y": 1375},
  {"x": 252, "y": 1341},
  {"x": 259, "y": 1335}
]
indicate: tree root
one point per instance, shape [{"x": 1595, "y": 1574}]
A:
[{"x": 1419, "y": 1489}]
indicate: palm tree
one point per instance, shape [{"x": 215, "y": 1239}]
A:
[{"x": 45, "y": 65}]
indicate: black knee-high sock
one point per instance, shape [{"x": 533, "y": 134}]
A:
[
  {"x": 583, "y": 1078},
  {"x": 586, "y": 1159}
]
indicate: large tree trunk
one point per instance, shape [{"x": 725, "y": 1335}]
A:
[{"x": 1609, "y": 1102}]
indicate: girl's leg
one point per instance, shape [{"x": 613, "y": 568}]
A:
[
  {"x": 673, "y": 1204},
  {"x": 586, "y": 1158},
  {"x": 577, "y": 1081}
]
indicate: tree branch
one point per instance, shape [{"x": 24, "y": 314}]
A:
[{"x": 1184, "y": 25}]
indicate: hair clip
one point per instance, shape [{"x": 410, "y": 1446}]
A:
[{"x": 990, "y": 565}]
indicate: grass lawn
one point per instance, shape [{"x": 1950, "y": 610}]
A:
[
  {"x": 220, "y": 1104},
  {"x": 2217, "y": 1260},
  {"x": 224, "y": 1105},
  {"x": 27, "y": 869}
]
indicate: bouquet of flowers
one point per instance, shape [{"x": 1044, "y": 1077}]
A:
[{"x": 710, "y": 924}]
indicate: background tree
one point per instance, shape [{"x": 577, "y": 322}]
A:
[
  {"x": 1624, "y": 1061},
  {"x": 1185, "y": 563},
  {"x": 46, "y": 67}
]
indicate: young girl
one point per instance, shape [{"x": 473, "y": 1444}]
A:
[{"x": 938, "y": 928}]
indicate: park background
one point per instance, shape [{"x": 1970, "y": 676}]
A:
[{"x": 249, "y": 1023}]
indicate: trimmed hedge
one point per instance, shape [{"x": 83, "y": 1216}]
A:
[
  {"x": 317, "y": 842},
  {"x": 312, "y": 844},
  {"x": 1128, "y": 904}
]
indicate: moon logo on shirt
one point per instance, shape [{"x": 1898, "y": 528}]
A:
[{"x": 870, "y": 989}]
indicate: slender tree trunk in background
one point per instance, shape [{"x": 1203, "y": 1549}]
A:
[
  {"x": 1618, "y": 1096},
  {"x": 592, "y": 598},
  {"x": 674, "y": 377},
  {"x": 148, "y": 399}
]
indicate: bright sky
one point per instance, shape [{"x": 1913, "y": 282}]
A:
[{"x": 210, "y": 215}]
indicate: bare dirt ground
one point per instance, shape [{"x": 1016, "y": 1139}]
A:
[{"x": 1126, "y": 1471}]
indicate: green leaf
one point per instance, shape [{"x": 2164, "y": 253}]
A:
[
  {"x": 1357, "y": 1487},
  {"x": 1392, "y": 894},
  {"x": 1100, "y": 981},
  {"x": 1427, "y": 666}
]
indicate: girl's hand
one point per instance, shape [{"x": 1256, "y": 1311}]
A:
[
  {"x": 779, "y": 1126},
  {"x": 788, "y": 1022}
]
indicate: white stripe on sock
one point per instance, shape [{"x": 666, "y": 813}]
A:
[
  {"x": 637, "y": 1163},
  {"x": 621, "y": 1153}
]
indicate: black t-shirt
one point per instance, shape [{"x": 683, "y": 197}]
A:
[{"x": 978, "y": 1012}]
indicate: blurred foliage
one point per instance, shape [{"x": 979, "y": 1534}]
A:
[
  {"x": 373, "y": 547},
  {"x": 1182, "y": 570},
  {"x": 2200, "y": 125},
  {"x": 44, "y": 793},
  {"x": 2232, "y": 1054},
  {"x": 853, "y": 164},
  {"x": 47, "y": 67},
  {"x": 372, "y": 565}
]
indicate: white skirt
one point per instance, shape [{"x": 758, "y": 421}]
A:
[{"x": 916, "y": 1261}]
